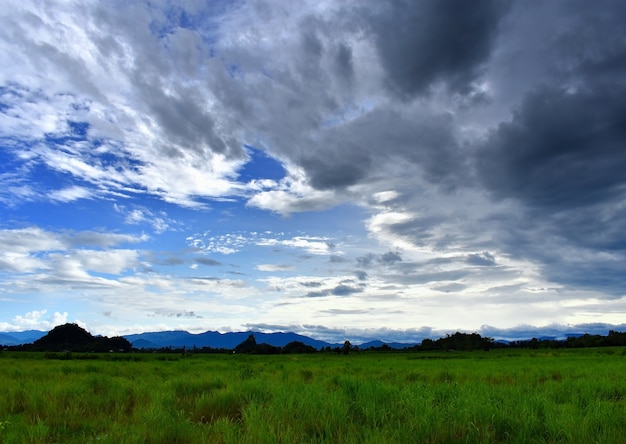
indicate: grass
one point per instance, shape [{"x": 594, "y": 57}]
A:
[{"x": 565, "y": 396}]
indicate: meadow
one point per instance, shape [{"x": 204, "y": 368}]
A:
[{"x": 512, "y": 396}]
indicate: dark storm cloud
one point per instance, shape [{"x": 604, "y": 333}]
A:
[
  {"x": 351, "y": 153},
  {"x": 561, "y": 155},
  {"x": 335, "y": 170},
  {"x": 563, "y": 147},
  {"x": 422, "y": 43},
  {"x": 579, "y": 248},
  {"x": 561, "y": 150},
  {"x": 343, "y": 66}
]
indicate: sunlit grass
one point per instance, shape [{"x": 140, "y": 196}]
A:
[{"x": 569, "y": 396}]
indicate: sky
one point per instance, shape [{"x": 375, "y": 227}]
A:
[{"x": 344, "y": 170}]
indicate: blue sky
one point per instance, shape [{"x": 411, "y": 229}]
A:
[{"x": 345, "y": 170}]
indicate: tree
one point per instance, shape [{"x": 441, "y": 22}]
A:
[
  {"x": 346, "y": 347},
  {"x": 298, "y": 347}
]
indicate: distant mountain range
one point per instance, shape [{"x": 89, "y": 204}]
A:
[
  {"x": 213, "y": 339},
  {"x": 178, "y": 339},
  {"x": 20, "y": 337}
]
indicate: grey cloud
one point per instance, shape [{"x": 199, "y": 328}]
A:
[
  {"x": 336, "y": 259},
  {"x": 606, "y": 275},
  {"x": 311, "y": 284},
  {"x": 344, "y": 68},
  {"x": 450, "y": 288},
  {"x": 361, "y": 275},
  {"x": 205, "y": 278},
  {"x": 178, "y": 314},
  {"x": 505, "y": 288},
  {"x": 355, "y": 151},
  {"x": 336, "y": 170},
  {"x": 561, "y": 150},
  {"x": 390, "y": 258},
  {"x": 338, "y": 311},
  {"x": 421, "y": 229},
  {"x": 560, "y": 158},
  {"x": 558, "y": 242},
  {"x": 366, "y": 260},
  {"x": 317, "y": 294},
  {"x": 338, "y": 141},
  {"x": 311, "y": 44},
  {"x": 186, "y": 121},
  {"x": 345, "y": 290},
  {"x": 423, "y": 43},
  {"x": 424, "y": 278},
  {"x": 172, "y": 261},
  {"x": 98, "y": 239},
  {"x": 207, "y": 261},
  {"x": 481, "y": 259}
]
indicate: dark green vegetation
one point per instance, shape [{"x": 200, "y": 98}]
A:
[{"x": 508, "y": 395}]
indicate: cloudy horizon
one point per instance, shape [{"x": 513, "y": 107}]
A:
[{"x": 346, "y": 169}]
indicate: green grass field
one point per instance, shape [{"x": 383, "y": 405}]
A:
[{"x": 565, "y": 396}]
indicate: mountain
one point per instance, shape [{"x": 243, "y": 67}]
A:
[
  {"x": 179, "y": 339},
  {"x": 215, "y": 339},
  {"x": 20, "y": 337},
  {"x": 398, "y": 345}
]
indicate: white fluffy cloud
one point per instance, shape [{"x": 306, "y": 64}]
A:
[{"x": 34, "y": 320}]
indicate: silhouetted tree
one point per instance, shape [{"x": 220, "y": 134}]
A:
[
  {"x": 298, "y": 347},
  {"x": 346, "y": 347}
]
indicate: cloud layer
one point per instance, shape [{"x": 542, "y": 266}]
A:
[{"x": 453, "y": 156}]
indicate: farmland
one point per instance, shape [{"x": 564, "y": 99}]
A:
[{"x": 522, "y": 396}]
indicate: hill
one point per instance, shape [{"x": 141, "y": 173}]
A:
[{"x": 72, "y": 337}]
